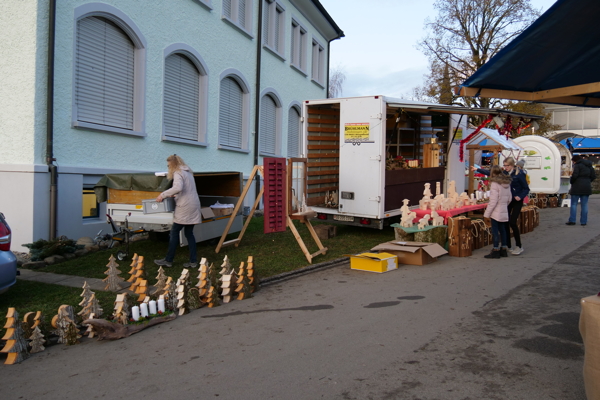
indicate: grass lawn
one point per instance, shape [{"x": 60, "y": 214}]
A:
[{"x": 273, "y": 254}]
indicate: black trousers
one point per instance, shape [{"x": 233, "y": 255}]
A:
[{"x": 514, "y": 210}]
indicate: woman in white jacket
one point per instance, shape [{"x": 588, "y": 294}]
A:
[
  {"x": 187, "y": 210},
  {"x": 497, "y": 210}
]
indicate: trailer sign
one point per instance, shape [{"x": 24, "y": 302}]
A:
[{"x": 357, "y": 133}]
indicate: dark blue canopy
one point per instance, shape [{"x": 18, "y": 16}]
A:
[{"x": 558, "y": 52}]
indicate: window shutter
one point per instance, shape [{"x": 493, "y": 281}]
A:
[
  {"x": 181, "y": 102},
  {"x": 104, "y": 74},
  {"x": 275, "y": 195},
  {"x": 266, "y": 30},
  {"x": 276, "y": 45},
  {"x": 293, "y": 132},
  {"x": 242, "y": 13},
  {"x": 227, "y": 8},
  {"x": 268, "y": 126},
  {"x": 293, "y": 50},
  {"x": 230, "y": 113}
]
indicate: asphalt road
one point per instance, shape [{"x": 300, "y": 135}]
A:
[{"x": 459, "y": 328}]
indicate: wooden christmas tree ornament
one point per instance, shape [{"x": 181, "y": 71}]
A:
[
  {"x": 37, "y": 341},
  {"x": 113, "y": 280},
  {"x": 16, "y": 345}
]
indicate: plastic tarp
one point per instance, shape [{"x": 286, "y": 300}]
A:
[
  {"x": 560, "y": 49},
  {"x": 147, "y": 182}
]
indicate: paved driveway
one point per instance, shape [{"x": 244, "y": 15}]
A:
[{"x": 460, "y": 328}]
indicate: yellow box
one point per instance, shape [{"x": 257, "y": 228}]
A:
[{"x": 374, "y": 262}]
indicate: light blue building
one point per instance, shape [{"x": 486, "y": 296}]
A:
[{"x": 90, "y": 88}]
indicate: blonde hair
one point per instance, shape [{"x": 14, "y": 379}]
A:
[
  {"x": 175, "y": 162},
  {"x": 511, "y": 161}
]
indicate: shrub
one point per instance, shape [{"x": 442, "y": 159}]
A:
[{"x": 41, "y": 248}]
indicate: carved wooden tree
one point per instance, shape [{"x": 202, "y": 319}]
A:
[
  {"x": 90, "y": 328},
  {"x": 140, "y": 275},
  {"x": 72, "y": 335},
  {"x": 142, "y": 290},
  {"x": 183, "y": 287},
  {"x": 204, "y": 282},
  {"x": 243, "y": 285},
  {"x": 37, "y": 341},
  {"x": 61, "y": 322},
  {"x": 226, "y": 267},
  {"x": 16, "y": 345},
  {"x": 133, "y": 269},
  {"x": 227, "y": 285},
  {"x": 252, "y": 275},
  {"x": 113, "y": 280},
  {"x": 86, "y": 294},
  {"x": 122, "y": 309},
  {"x": 92, "y": 307},
  {"x": 28, "y": 324},
  {"x": 161, "y": 282},
  {"x": 171, "y": 295}
]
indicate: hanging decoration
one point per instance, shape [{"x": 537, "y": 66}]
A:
[{"x": 461, "y": 148}]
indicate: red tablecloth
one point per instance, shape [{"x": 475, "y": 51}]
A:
[{"x": 449, "y": 213}]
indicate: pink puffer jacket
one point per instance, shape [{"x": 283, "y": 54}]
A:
[{"x": 500, "y": 196}]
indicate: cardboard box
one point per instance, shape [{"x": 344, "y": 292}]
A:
[
  {"x": 219, "y": 211},
  {"x": 382, "y": 262},
  {"x": 151, "y": 206},
  {"x": 412, "y": 253},
  {"x": 207, "y": 213}
]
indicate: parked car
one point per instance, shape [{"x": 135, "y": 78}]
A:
[{"x": 8, "y": 261}]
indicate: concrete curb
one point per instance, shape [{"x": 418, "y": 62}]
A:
[{"x": 303, "y": 271}]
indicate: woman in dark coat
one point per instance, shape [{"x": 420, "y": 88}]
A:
[{"x": 581, "y": 188}]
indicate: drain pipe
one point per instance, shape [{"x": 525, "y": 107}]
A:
[
  {"x": 257, "y": 94},
  {"x": 52, "y": 169}
]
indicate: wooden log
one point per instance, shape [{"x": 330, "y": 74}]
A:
[{"x": 113, "y": 331}]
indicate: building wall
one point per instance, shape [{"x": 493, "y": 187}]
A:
[
  {"x": 576, "y": 120},
  {"x": 84, "y": 154}
]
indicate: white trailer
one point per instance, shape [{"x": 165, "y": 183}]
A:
[
  {"x": 347, "y": 143},
  {"x": 124, "y": 194}
]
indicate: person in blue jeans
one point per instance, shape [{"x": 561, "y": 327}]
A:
[
  {"x": 581, "y": 188},
  {"x": 187, "y": 210}
]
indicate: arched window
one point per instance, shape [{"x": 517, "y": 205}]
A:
[
  {"x": 104, "y": 74},
  {"x": 231, "y": 114},
  {"x": 181, "y": 98},
  {"x": 293, "y": 144}
]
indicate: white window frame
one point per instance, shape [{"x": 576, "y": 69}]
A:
[
  {"x": 299, "y": 47},
  {"x": 195, "y": 57},
  {"x": 243, "y": 23},
  {"x": 298, "y": 108},
  {"x": 278, "y": 124},
  {"x": 318, "y": 63},
  {"x": 135, "y": 35},
  {"x": 274, "y": 27},
  {"x": 206, "y": 3},
  {"x": 239, "y": 78}
]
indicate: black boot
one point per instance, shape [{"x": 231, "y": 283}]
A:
[
  {"x": 503, "y": 252},
  {"x": 495, "y": 253}
]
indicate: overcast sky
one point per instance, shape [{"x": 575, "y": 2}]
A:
[{"x": 378, "y": 53}]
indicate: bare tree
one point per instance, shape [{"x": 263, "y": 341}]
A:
[
  {"x": 463, "y": 37},
  {"x": 337, "y": 77}
]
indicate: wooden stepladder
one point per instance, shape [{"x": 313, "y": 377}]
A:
[{"x": 276, "y": 192}]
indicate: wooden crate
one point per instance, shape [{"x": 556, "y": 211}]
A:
[{"x": 459, "y": 237}]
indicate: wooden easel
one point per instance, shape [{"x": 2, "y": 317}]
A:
[{"x": 302, "y": 217}]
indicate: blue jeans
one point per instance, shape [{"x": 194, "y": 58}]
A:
[
  {"x": 584, "y": 209},
  {"x": 499, "y": 233},
  {"x": 188, "y": 230}
]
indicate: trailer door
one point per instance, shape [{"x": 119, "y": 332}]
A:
[{"x": 362, "y": 165}]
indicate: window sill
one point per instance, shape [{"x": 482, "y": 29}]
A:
[
  {"x": 171, "y": 139},
  {"x": 274, "y": 52},
  {"x": 107, "y": 129},
  {"x": 238, "y": 27},
  {"x": 318, "y": 83},
  {"x": 206, "y": 3},
  {"x": 221, "y": 147},
  {"x": 299, "y": 70}
]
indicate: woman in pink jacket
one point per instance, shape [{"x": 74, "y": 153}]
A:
[
  {"x": 497, "y": 210},
  {"x": 187, "y": 210}
]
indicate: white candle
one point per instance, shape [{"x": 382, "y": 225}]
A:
[
  {"x": 161, "y": 305},
  {"x": 135, "y": 313},
  {"x": 144, "y": 309},
  {"x": 152, "y": 305}
]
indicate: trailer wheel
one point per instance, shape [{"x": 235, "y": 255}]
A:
[{"x": 121, "y": 255}]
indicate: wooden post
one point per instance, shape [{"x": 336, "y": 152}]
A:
[{"x": 471, "y": 177}]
